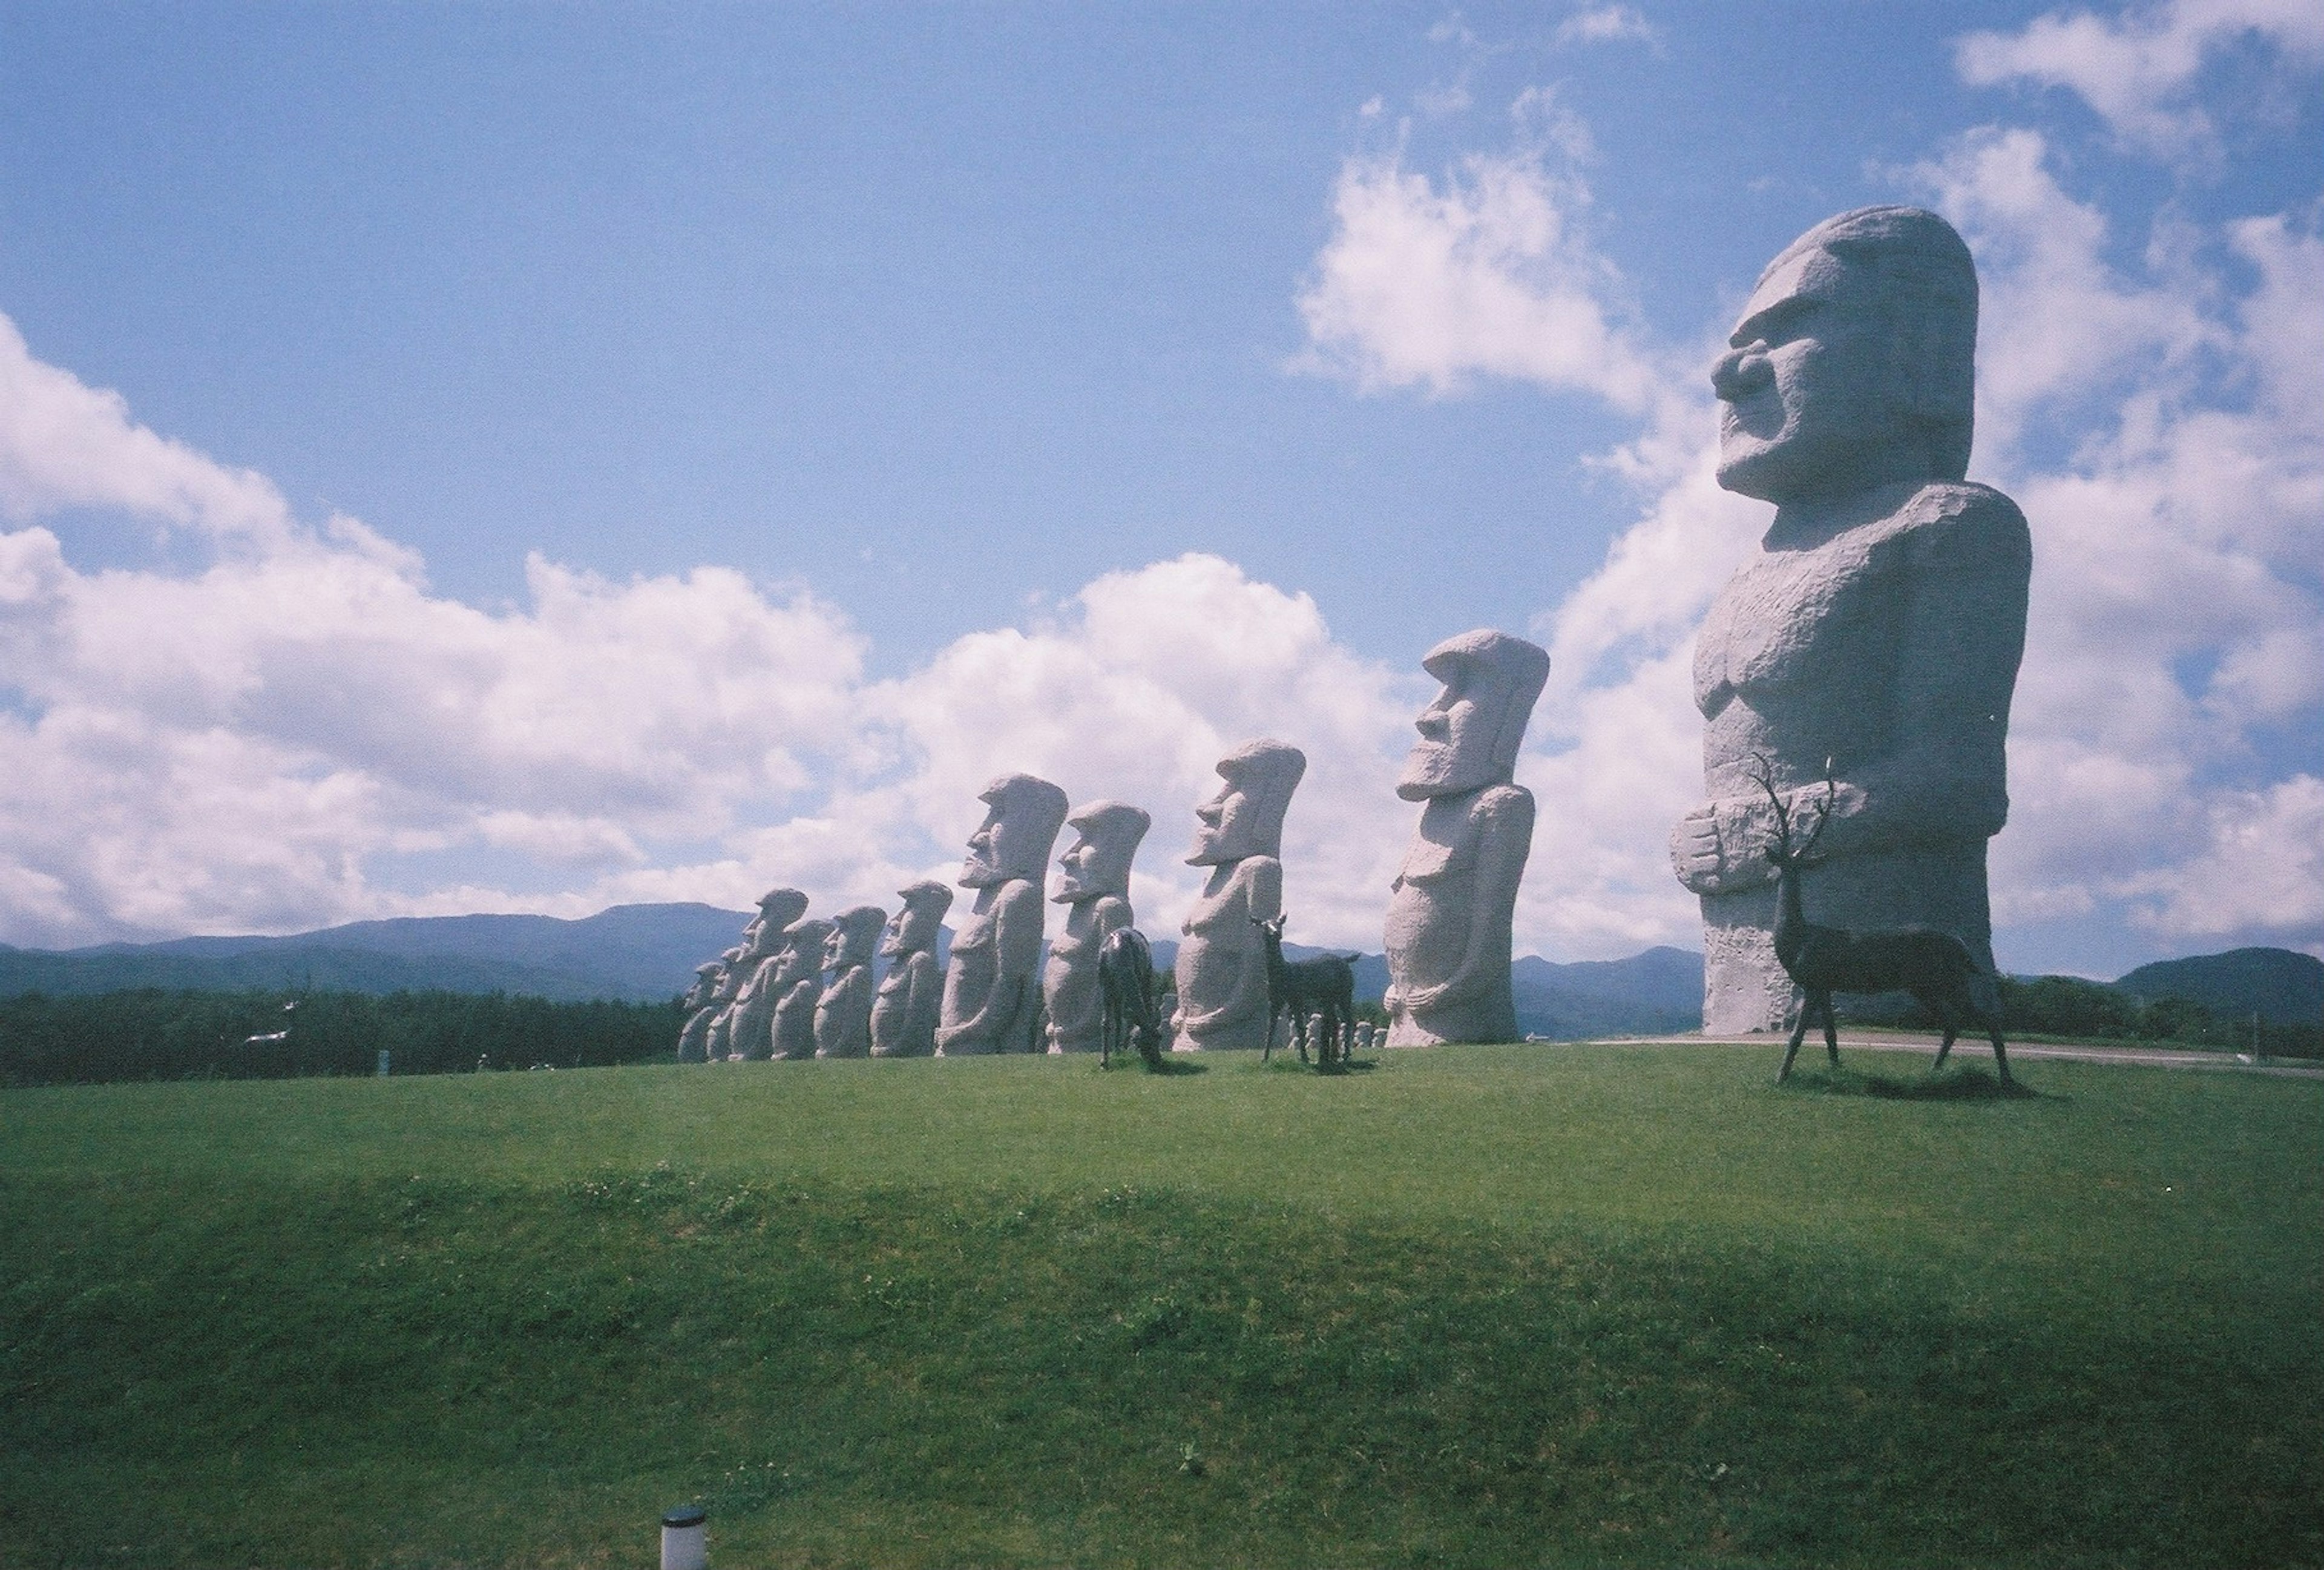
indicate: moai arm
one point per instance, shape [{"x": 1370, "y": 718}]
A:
[
  {"x": 1258, "y": 890},
  {"x": 1502, "y": 827},
  {"x": 1016, "y": 962}
]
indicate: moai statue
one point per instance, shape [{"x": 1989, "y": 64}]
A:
[
  {"x": 992, "y": 993},
  {"x": 843, "y": 1016},
  {"x": 797, "y": 988},
  {"x": 1095, "y": 893},
  {"x": 701, "y": 1007},
  {"x": 731, "y": 977},
  {"x": 1449, "y": 915},
  {"x": 1876, "y": 633},
  {"x": 904, "y": 1014},
  {"x": 1221, "y": 963},
  {"x": 751, "y": 1019}
]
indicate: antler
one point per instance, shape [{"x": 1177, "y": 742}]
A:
[{"x": 1764, "y": 771}]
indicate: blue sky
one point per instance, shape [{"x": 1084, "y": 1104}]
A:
[{"x": 534, "y": 457}]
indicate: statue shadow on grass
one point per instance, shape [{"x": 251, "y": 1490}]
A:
[
  {"x": 1168, "y": 1065},
  {"x": 1965, "y": 1084},
  {"x": 1290, "y": 1063}
]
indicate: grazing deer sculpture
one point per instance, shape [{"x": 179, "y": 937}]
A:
[
  {"x": 1324, "y": 986},
  {"x": 1125, "y": 982},
  {"x": 1936, "y": 967}
]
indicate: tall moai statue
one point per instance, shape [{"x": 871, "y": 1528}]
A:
[
  {"x": 751, "y": 1019},
  {"x": 911, "y": 994},
  {"x": 842, "y": 1015},
  {"x": 1874, "y": 640},
  {"x": 798, "y": 987},
  {"x": 1096, "y": 892},
  {"x": 1222, "y": 962},
  {"x": 991, "y": 997},
  {"x": 702, "y": 1008},
  {"x": 1449, "y": 912}
]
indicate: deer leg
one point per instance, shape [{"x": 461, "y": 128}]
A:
[
  {"x": 2000, "y": 1058},
  {"x": 1944, "y": 1047},
  {"x": 1830, "y": 1029},
  {"x": 1792, "y": 1047}
]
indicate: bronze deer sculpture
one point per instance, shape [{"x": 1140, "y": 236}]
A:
[
  {"x": 1936, "y": 967},
  {"x": 1325, "y": 986},
  {"x": 1125, "y": 980}
]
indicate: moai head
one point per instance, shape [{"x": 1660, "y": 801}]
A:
[
  {"x": 1470, "y": 736},
  {"x": 1853, "y": 365},
  {"x": 854, "y": 933},
  {"x": 1245, "y": 819},
  {"x": 914, "y": 928},
  {"x": 732, "y": 972},
  {"x": 1098, "y": 862},
  {"x": 802, "y": 953},
  {"x": 778, "y": 909},
  {"x": 1019, "y": 826}
]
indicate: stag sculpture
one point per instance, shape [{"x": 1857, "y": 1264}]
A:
[
  {"x": 1125, "y": 981},
  {"x": 1936, "y": 967},
  {"x": 1324, "y": 986}
]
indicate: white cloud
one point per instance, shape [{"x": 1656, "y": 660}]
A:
[
  {"x": 1607, "y": 24},
  {"x": 1423, "y": 285},
  {"x": 2141, "y": 70}
]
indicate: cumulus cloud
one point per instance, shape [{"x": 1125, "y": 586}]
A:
[
  {"x": 2175, "y": 610},
  {"x": 277, "y": 737},
  {"x": 1426, "y": 284},
  {"x": 2141, "y": 70}
]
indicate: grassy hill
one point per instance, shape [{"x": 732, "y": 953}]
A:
[{"x": 1494, "y": 1305}]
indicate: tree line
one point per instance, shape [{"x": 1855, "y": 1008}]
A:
[
  {"x": 150, "y": 1034},
  {"x": 2079, "y": 1009}
]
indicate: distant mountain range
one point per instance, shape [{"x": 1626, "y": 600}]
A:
[{"x": 645, "y": 952}]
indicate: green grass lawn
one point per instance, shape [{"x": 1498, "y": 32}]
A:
[{"x": 1492, "y": 1305}]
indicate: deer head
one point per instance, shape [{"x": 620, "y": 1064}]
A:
[{"x": 1781, "y": 853}]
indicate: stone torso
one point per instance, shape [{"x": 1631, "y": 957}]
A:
[
  {"x": 1450, "y": 916},
  {"x": 1222, "y": 966},
  {"x": 1069, "y": 984}
]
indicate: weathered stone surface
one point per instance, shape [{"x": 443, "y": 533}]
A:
[
  {"x": 1449, "y": 913},
  {"x": 843, "y": 1016},
  {"x": 904, "y": 1014},
  {"x": 1095, "y": 889},
  {"x": 1221, "y": 966},
  {"x": 752, "y": 1016},
  {"x": 1877, "y": 632},
  {"x": 797, "y": 983},
  {"x": 701, "y": 1007},
  {"x": 991, "y": 997}
]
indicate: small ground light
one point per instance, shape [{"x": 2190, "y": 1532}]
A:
[{"x": 683, "y": 1546}]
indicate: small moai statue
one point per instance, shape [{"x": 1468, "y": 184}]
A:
[
  {"x": 1453, "y": 899},
  {"x": 904, "y": 1013},
  {"x": 842, "y": 1015},
  {"x": 1221, "y": 969},
  {"x": 797, "y": 988},
  {"x": 993, "y": 992},
  {"x": 721, "y": 1040},
  {"x": 750, "y": 1031},
  {"x": 1095, "y": 889},
  {"x": 701, "y": 1009}
]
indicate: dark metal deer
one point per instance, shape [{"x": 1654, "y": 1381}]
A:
[
  {"x": 1125, "y": 984},
  {"x": 1936, "y": 967},
  {"x": 1324, "y": 985}
]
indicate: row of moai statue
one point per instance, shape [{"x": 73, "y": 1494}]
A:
[
  {"x": 1859, "y": 669},
  {"x": 798, "y": 987}
]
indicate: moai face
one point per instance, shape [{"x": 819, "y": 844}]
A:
[
  {"x": 1470, "y": 736},
  {"x": 802, "y": 953},
  {"x": 778, "y": 909},
  {"x": 1097, "y": 863},
  {"x": 854, "y": 935},
  {"x": 1245, "y": 819},
  {"x": 1852, "y": 365},
  {"x": 914, "y": 928},
  {"x": 1021, "y": 824}
]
